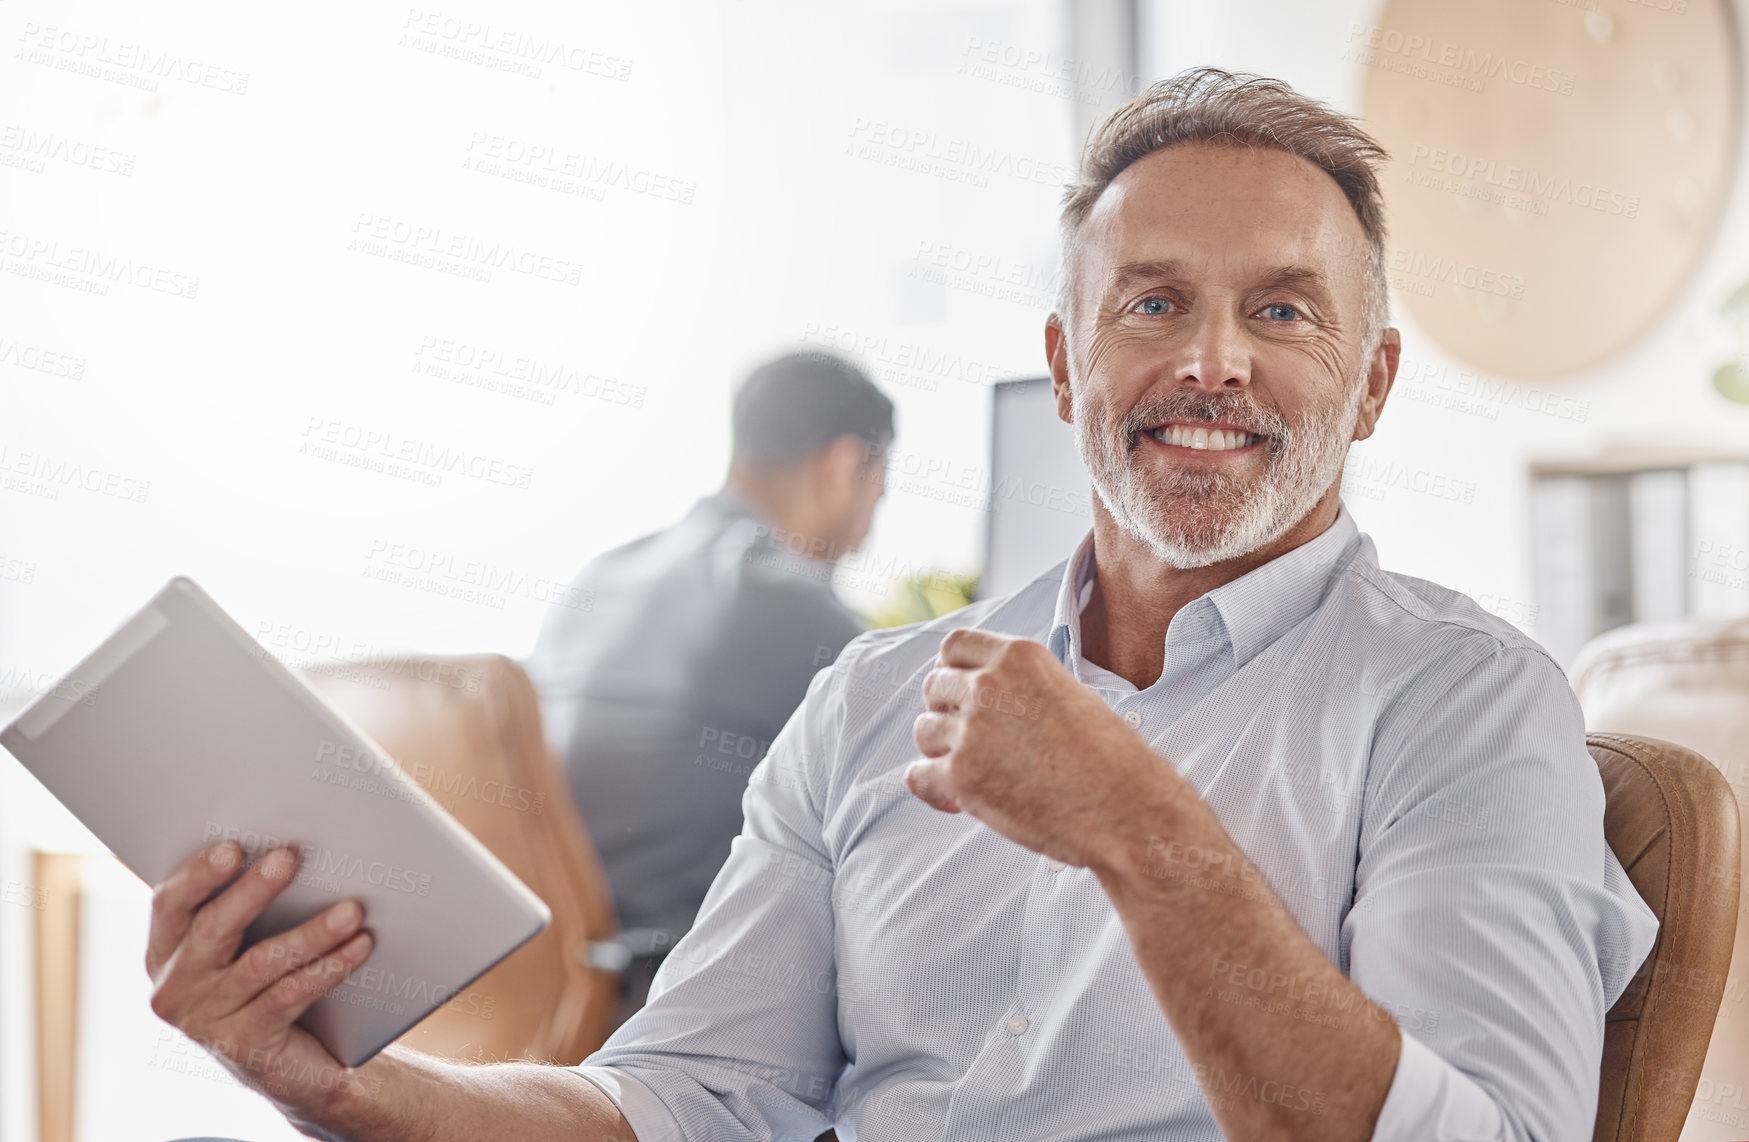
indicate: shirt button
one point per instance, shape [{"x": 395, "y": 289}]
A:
[
  {"x": 1134, "y": 718},
  {"x": 1017, "y": 1025},
  {"x": 1058, "y": 865}
]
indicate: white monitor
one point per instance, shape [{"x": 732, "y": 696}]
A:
[{"x": 1040, "y": 496}]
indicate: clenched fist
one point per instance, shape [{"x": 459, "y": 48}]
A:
[{"x": 1013, "y": 739}]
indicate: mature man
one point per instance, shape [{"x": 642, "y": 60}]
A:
[
  {"x": 1219, "y": 828},
  {"x": 699, "y": 641}
]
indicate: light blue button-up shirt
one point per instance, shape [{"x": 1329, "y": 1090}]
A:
[{"x": 1406, "y": 771}]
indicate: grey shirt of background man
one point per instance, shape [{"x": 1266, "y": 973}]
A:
[{"x": 661, "y": 692}]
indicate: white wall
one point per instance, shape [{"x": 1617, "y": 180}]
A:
[{"x": 721, "y": 182}]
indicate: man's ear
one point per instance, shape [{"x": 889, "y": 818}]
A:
[
  {"x": 1381, "y": 373},
  {"x": 1057, "y": 354},
  {"x": 844, "y": 462}
]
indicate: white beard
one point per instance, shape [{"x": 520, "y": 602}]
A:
[{"x": 1194, "y": 519}]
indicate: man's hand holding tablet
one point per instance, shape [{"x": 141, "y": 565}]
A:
[
  {"x": 179, "y": 731},
  {"x": 240, "y": 1003}
]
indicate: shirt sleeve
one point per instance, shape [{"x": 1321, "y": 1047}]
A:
[
  {"x": 1490, "y": 918},
  {"x": 638, "y": 1104},
  {"x": 739, "y": 1039},
  {"x": 1432, "y": 1101}
]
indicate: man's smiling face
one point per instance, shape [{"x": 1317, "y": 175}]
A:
[{"x": 1215, "y": 371}]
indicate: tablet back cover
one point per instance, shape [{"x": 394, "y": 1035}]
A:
[{"x": 180, "y": 730}]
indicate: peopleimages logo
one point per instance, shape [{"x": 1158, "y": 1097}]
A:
[
  {"x": 22, "y": 146},
  {"x": 1534, "y": 184},
  {"x": 447, "y": 251},
  {"x": 135, "y": 65},
  {"x": 1392, "y": 48},
  {"x": 509, "y": 49},
  {"x": 329, "y": 438},
  {"x": 87, "y": 269},
  {"x": 369, "y": 772},
  {"x": 325, "y": 868}
]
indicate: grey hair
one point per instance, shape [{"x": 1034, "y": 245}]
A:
[{"x": 1208, "y": 105}]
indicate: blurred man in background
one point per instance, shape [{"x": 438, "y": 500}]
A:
[{"x": 699, "y": 642}]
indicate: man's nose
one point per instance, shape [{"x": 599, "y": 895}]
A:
[{"x": 1216, "y": 356}]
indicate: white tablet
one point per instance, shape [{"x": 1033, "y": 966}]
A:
[{"x": 180, "y": 730}]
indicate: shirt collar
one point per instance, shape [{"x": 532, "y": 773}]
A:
[
  {"x": 1250, "y": 612},
  {"x": 724, "y": 503},
  {"x": 767, "y": 544},
  {"x": 1262, "y": 605}
]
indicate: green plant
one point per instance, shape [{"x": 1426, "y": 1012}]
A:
[
  {"x": 921, "y": 597},
  {"x": 1732, "y": 378}
]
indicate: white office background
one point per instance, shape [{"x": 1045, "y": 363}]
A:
[{"x": 379, "y": 320}]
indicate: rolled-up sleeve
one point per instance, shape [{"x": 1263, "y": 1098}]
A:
[
  {"x": 1432, "y": 1101},
  {"x": 739, "y": 1039},
  {"x": 1490, "y": 917}
]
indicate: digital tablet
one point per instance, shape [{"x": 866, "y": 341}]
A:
[{"x": 180, "y": 731}]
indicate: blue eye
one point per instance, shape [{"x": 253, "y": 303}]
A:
[
  {"x": 1283, "y": 312},
  {"x": 1153, "y": 306}
]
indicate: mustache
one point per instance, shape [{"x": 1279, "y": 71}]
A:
[{"x": 1190, "y": 407}]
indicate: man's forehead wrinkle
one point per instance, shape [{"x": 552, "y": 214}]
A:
[
  {"x": 1232, "y": 263},
  {"x": 1295, "y": 273},
  {"x": 1147, "y": 268}
]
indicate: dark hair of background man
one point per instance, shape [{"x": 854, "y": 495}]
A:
[{"x": 792, "y": 406}]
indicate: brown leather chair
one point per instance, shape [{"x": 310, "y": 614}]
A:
[
  {"x": 1672, "y": 820},
  {"x": 468, "y": 730},
  {"x": 1688, "y": 682}
]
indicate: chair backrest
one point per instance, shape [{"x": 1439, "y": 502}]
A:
[
  {"x": 468, "y": 730},
  {"x": 1671, "y": 819},
  {"x": 1688, "y": 682}
]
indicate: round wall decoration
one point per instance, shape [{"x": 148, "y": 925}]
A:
[{"x": 1557, "y": 168}]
